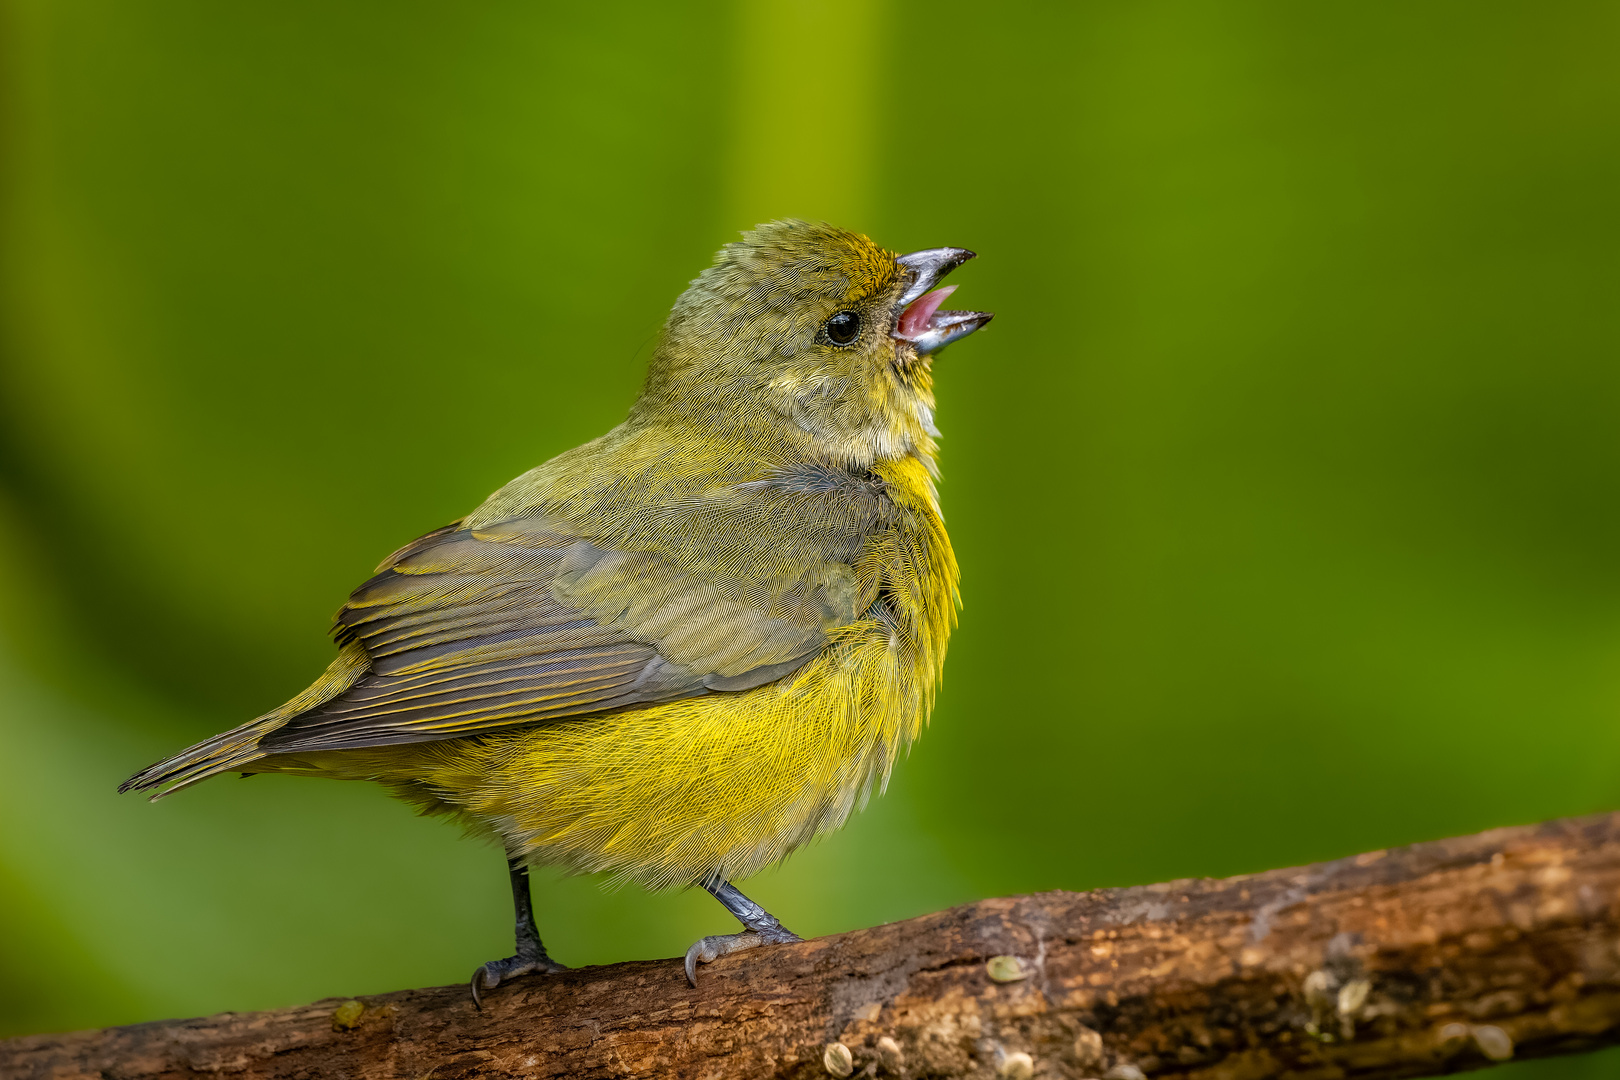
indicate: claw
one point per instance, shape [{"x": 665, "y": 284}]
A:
[
  {"x": 490, "y": 975},
  {"x": 483, "y": 975},
  {"x": 708, "y": 950}
]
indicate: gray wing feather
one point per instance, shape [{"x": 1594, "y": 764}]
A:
[{"x": 473, "y": 629}]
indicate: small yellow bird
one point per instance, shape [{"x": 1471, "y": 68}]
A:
[{"x": 680, "y": 651}]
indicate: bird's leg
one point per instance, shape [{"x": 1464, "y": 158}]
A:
[
  {"x": 763, "y": 929},
  {"x": 531, "y": 954}
]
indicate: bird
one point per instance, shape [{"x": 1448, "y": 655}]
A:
[{"x": 680, "y": 651}]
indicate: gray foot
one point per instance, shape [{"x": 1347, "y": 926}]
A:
[
  {"x": 531, "y": 954},
  {"x": 490, "y": 975},
  {"x": 762, "y": 929},
  {"x": 709, "y": 949}
]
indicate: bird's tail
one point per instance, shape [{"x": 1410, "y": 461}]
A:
[{"x": 232, "y": 749}]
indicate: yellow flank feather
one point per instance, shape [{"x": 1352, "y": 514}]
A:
[{"x": 683, "y": 649}]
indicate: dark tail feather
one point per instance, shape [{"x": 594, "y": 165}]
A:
[
  {"x": 232, "y": 749},
  {"x": 222, "y": 753}
]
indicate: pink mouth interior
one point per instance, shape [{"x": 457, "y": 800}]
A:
[{"x": 915, "y": 319}]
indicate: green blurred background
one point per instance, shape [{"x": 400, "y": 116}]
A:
[{"x": 1284, "y": 485}]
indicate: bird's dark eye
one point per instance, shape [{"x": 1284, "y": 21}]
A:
[{"x": 843, "y": 328}]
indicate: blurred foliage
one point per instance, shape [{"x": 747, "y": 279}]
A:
[{"x": 1284, "y": 484}]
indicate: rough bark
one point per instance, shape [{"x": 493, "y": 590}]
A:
[{"x": 1411, "y": 962}]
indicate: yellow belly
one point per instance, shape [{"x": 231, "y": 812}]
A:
[{"x": 720, "y": 785}]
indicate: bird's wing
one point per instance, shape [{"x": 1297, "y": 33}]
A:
[{"x": 472, "y": 629}]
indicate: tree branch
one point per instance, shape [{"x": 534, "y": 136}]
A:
[{"x": 1412, "y": 962}]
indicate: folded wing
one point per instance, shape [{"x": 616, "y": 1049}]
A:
[
  {"x": 522, "y": 620},
  {"x": 471, "y": 630}
]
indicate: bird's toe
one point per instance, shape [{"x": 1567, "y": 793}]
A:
[
  {"x": 709, "y": 949},
  {"x": 490, "y": 975}
]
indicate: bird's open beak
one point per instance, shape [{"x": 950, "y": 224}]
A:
[{"x": 919, "y": 319}]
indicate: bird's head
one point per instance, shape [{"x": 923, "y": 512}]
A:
[{"x": 816, "y": 331}]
